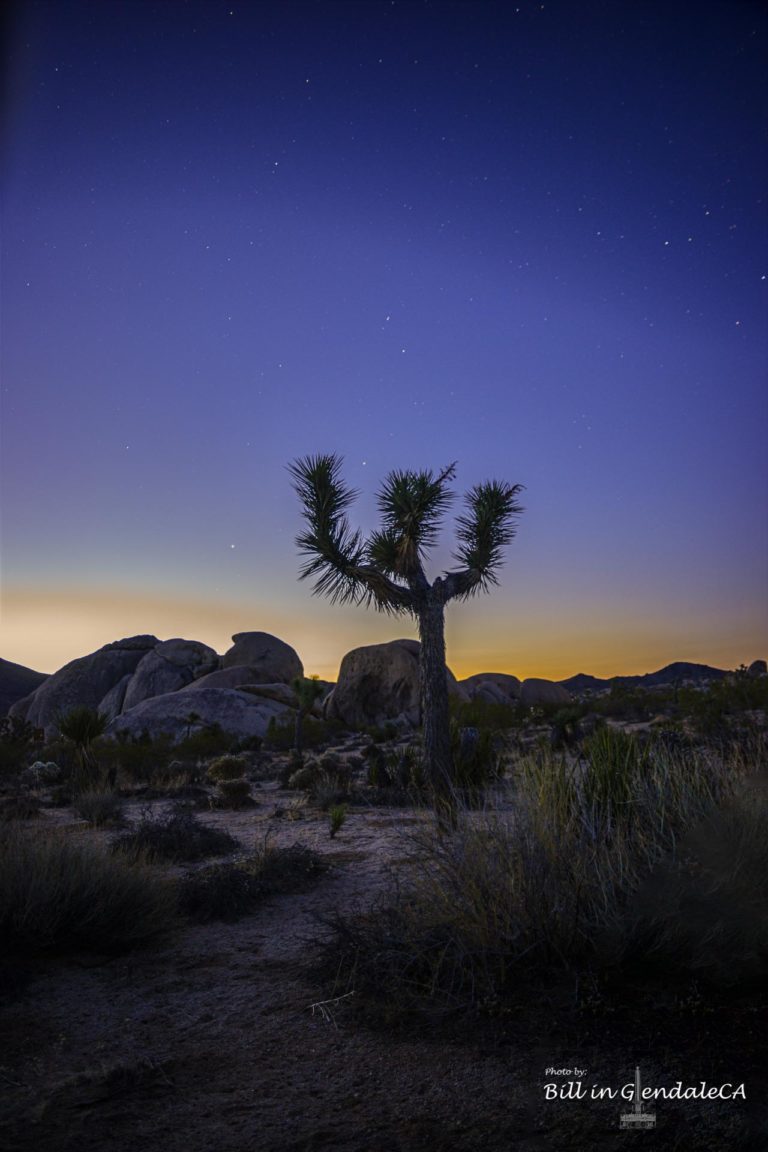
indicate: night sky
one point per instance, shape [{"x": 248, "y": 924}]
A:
[{"x": 526, "y": 237}]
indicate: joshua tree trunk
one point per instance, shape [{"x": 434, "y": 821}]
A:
[{"x": 434, "y": 706}]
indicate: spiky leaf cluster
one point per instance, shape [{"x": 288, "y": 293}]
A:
[
  {"x": 485, "y": 529},
  {"x": 387, "y": 569}
]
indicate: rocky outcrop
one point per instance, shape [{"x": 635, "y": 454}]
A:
[
  {"x": 535, "y": 691},
  {"x": 493, "y": 687},
  {"x": 757, "y": 668},
  {"x": 282, "y": 693},
  {"x": 171, "y": 665},
  {"x": 16, "y": 683},
  {"x": 112, "y": 704},
  {"x": 225, "y": 678},
  {"x": 269, "y": 660},
  {"x": 83, "y": 682},
  {"x": 237, "y": 713},
  {"x": 380, "y": 682}
]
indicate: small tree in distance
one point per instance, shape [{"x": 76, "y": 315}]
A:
[
  {"x": 307, "y": 689},
  {"x": 387, "y": 569}
]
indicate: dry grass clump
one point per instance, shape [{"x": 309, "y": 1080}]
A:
[
  {"x": 227, "y": 767},
  {"x": 102, "y": 809},
  {"x": 232, "y": 890},
  {"x": 556, "y": 886},
  {"x": 234, "y": 794},
  {"x": 58, "y": 893},
  {"x": 177, "y": 837}
]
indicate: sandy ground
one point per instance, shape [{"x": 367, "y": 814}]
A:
[{"x": 211, "y": 1043}]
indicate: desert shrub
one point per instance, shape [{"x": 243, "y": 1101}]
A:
[
  {"x": 176, "y": 837},
  {"x": 234, "y": 794},
  {"x": 39, "y": 774},
  {"x": 476, "y": 759},
  {"x": 327, "y": 780},
  {"x": 633, "y": 704},
  {"x": 227, "y": 767},
  {"x": 392, "y": 778},
  {"x": 328, "y": 793},
  {"x": 248, "y": 744},
  {"x": 176, "y": 775},
  {"x": 704, "y": 911},
  {"x": 234, "y": 889},
  {"x": 716, "y": 713},
  {"x": 60, "y": 752},
  {"x": 99, "y": 808},
  {"x": 58, "y": 893},
  {"x": 136, "y": 759},
  {"x": 485, "y": 714},
  {"x": 382, "y": 733},
  {"x": 566, "y": 727},
  {"x": 375, "y": 760},
  {"x": 281, "y": 734},
  {"x": 18, "y": 741},
  {"x": 22, "y": 806},
  {"x": 548, "y": 890},
  {"x": 302, "y": 777},
  {"x": 204, "y": 744}
]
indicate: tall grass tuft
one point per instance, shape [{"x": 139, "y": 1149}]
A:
[
  {"x": 58, "y": 893},
  {"x": 554, "y": 886}
]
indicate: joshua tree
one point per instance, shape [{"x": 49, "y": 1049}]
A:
[{"x": 386, "y": 570}]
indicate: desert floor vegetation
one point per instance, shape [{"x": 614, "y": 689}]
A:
[{"x": 603, "y": 895}]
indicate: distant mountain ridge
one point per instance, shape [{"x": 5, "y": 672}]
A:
[
  {"x": 16, "y": 682},
  {"x": 670, "y": 674}
]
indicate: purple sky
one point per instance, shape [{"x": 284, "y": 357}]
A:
[{"x": 527, "y": 237}]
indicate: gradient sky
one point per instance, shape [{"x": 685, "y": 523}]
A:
[{"x": 527, "y": 237}]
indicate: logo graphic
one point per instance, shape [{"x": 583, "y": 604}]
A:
[{"x": 637, "y": 1118}]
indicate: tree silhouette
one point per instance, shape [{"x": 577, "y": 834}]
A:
[
  {"x": 307, "y": 689},
  {"x": 386, "y": 570}
]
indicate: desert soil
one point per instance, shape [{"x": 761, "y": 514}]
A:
[{"x": 211, "y": 1044}]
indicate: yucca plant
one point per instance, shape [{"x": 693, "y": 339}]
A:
[
  {"x": 386, "y": 570},
  {"x": 82, "y": 726}
]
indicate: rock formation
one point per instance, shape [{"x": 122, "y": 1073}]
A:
[
  {"x": 493, "y": 687},
  {"x": 82, "y": 682},
  {"x": 269, "y": 660},
  {"x": 123, "y": 679},
  {"x": 379, "y": 683},
  {"x": 177, "y": 714},
  {"x": 171, "y": 665},
  {"x": 535, "y": 691}
]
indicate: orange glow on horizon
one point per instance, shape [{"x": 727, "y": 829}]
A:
[{"x": 45, "y": 629}]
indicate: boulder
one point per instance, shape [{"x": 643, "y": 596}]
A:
[
  {"x": 379, "y": 683},
  {"x": 494, "y": 687},
  {"x": 83, "y": 682},
  {"x": 535, "y": 691},
  {"x": 283, "y": 693},
  {"x": 171, "y": 665},
  {"x": 112, "y": 704},
  {"x": 235, "y": 677},
  {"x": 235, "y": 712},
  {"x": 270, "y": 660},
  {"x": 757, "y": 668}
]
